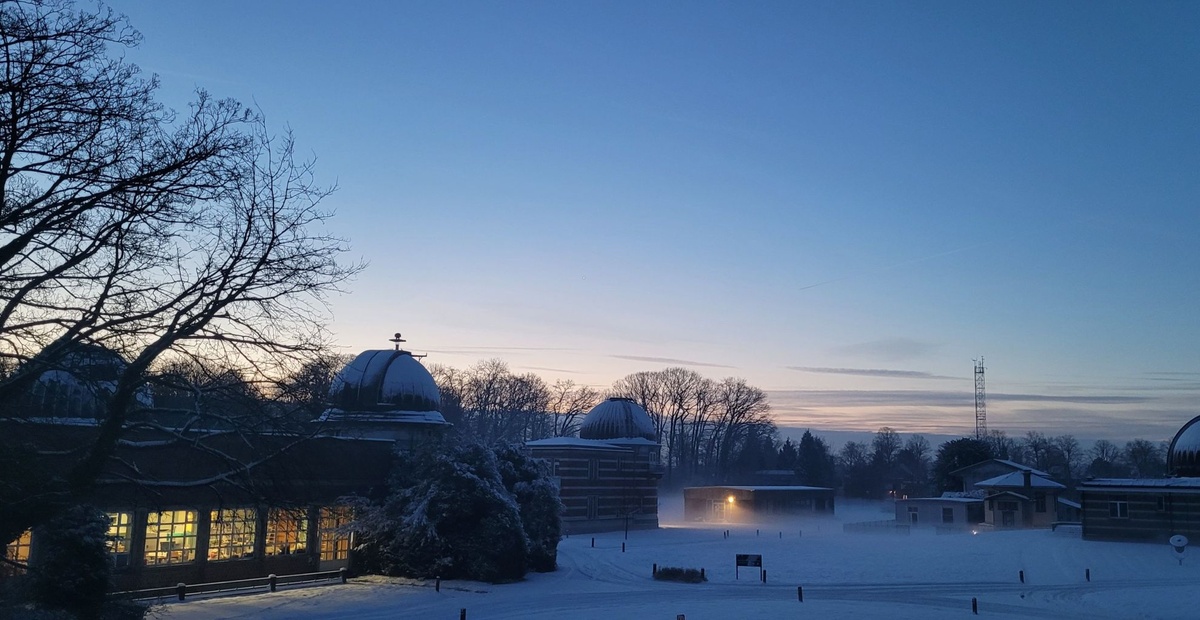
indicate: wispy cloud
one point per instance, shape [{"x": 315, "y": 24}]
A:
[
  {"x": 1078, "y": 400},
  {"x": 872, "y": 372},
  {"x": 669, "y": 360},
  {"x": 889, "y": 349},
  {"x": 543, "y": 369},
  {"x": 491, "y": 350},
  {"x": 934, "y": 398}
]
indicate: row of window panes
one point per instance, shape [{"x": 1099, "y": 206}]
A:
[
  {"x": 335, "y": 545},
  {"x": 171, "y": 535}
]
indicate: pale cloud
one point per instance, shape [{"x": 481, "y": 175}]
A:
[
  {"x": 669, "y": 360},
  {"x": 872, "y": 372}
]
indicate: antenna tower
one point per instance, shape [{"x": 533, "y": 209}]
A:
[{"x": 980, "y": 402}]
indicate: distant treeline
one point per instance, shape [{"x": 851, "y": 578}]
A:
[{"x": 721, "y": 431}]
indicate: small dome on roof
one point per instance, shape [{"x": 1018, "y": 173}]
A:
[
  {"x": 617, "y": 418},
  {"x": 78, "y": 384},
  {"x": 384, "y": 381},
  {"x": 1183, "y": 457}
]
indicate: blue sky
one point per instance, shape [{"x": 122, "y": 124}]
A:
[{"x": 844, "y": 203}]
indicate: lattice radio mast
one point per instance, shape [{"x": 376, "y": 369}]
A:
[{"x": 980, "y": 402}]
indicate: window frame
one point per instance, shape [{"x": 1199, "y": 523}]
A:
[
  {"x": 292, "y": 524},
  {"x": 232, "y": 534},
  {"x": 189, "y": 534}
]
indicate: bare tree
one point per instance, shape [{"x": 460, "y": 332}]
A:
[
  {"x": 1144, "y": 458},
  {"x": 567, "y": 403},
  {"x": 153, "y": 234},
  {"x": 1002, "y": 446},
  {"x": 1069, "y": 454}
]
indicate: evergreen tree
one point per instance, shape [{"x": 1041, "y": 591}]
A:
[
  {"x": 957, "y": 454},
  {"x": 814, "y": 463},
  {"x": 71, "y": 570},
  {"x": 448, "y": 515},
  {"x": 528, "y": 480}
]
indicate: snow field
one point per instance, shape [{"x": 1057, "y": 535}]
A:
[{"x": 923, "y": 575}]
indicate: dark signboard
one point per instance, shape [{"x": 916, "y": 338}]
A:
[{"x": 748, "y": 559}]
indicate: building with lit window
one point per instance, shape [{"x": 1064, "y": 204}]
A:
[
  {"x": 1149, "y": 509},
  {"x": 608, "y": 476},
  {"x": 753, "y": 504},
  {"x": 194, "y": 515}
]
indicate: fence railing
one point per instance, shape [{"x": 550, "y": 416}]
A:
[{"x": 270, "y": 583}]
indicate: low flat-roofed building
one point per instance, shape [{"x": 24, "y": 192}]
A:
[
  {"x": 943, "y": 512},
  {"x": 749, "y": 504},
  {"x": 1148, "y": 509}
]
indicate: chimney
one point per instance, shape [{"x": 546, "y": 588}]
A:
[{"x": 1028, "y": 478}]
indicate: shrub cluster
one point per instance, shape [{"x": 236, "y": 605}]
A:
[{"x": 685, "y": 575}]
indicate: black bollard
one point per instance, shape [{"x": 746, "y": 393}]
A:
[
  {"x": 437, "y": 584},
  {"x": 764, "y": 575},
  {"x": 593, "y": 542},
  {"x": 654, "y": 571},
  {"x": 702, "y": 574},
  {"x": 181, "y": 590},
  {"x": 622, "y": 547},
  {"x": 462, "y": 614},
  {"x": 800, "y": 593},
  {"x": 974, "y": 605},
  {"x": 756, "y": 532},
  {"x": 272, "y": 580},
  {"x": 342, "y": 574},
  {"x": 1022, "y": 575},
  {"x": 1087, "y": 574},
  {"x": 781, "y": 535}
]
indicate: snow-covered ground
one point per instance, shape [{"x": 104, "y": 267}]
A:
[{"x": 923, "y": 575}]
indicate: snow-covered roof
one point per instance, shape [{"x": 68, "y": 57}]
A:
[
  {"x": 765, "y": 487},
  {"x": 379, "y": 381},
  {"x": 391, "y": 416},
  {"x": 575, "y": 442},
  {"x": 1185, "y": 484},
  {"x": 1013, "y": 464},
  {"x": 972, "y": 494},
  {"x": 617, "y": 418},
  {"x": 1016, "y": 480},
  {"x": 1012, "y": 493},
  {"x": 952, "y": 500},
  {"x": 1066, "y": 502}
]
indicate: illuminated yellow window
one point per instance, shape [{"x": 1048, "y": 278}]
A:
[
  {"x": 335, "y": 545},
  {"x": 287, "y": 531},
  {"x": 119, "y": 524},
  {"x": 170, "y": 537},
  {"x": 231, "y": 533},
  {"x": 16, "y": 551}
]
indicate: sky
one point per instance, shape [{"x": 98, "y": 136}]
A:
[{"x": 844, "y": 203}]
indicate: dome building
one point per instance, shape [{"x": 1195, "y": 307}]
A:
[
  {"x": 608, "y": 476},
  {"x": 383, "y": 394},
  {"x": 1183, "y": 457},
  {"x": 1149, "y": 509},
  {"x": 271, "y": 497}
]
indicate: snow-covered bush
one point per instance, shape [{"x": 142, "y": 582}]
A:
[{"x": 528, "y": 480}]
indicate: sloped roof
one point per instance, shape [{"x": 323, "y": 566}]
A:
[
  {"x": 1016, "y": 480},
  {"x": 1015, "y": 466}
]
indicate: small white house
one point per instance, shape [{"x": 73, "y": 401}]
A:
[{"x": 942, "y": 512}]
